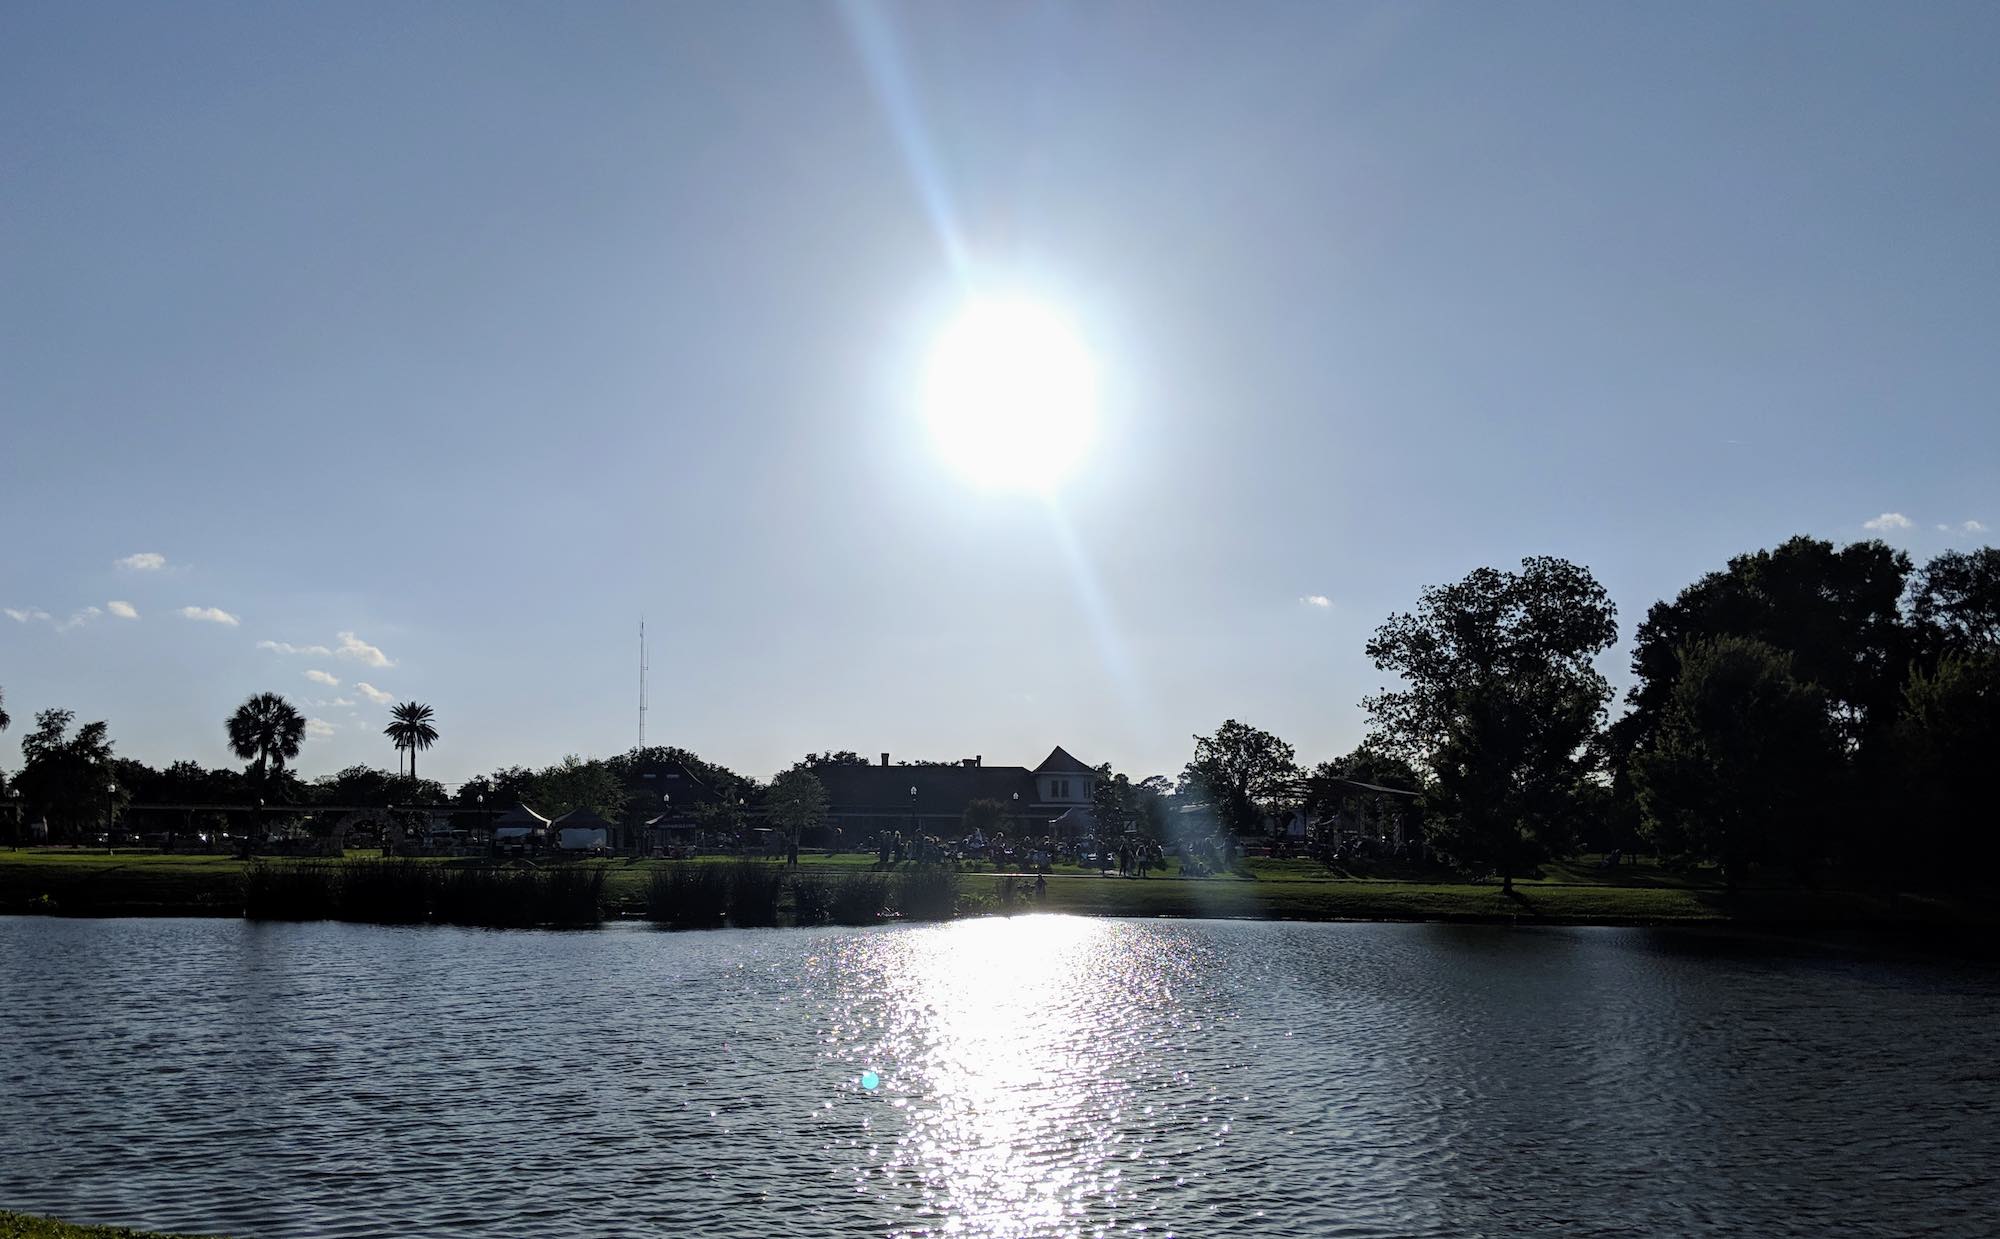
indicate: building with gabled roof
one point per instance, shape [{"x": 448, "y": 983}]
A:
[{"x": 931, "y": 799}]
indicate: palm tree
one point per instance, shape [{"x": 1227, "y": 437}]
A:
[
  {"x": 267, "y": 730},
  {"x": 4, "y": 720},
  {"x": 411, "y": 729}
]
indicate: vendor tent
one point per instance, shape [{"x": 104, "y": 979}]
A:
[
  {"x": 582, "y": 830},
  {"x": 519, "y": 824}
]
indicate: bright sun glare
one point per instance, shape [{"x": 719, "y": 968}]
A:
[{"x": 1011, "y": 394}]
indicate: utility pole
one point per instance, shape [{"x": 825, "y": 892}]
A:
[{"x": 642, "y": 681}]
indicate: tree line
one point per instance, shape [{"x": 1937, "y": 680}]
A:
[{"x": 1802, "y": 709}]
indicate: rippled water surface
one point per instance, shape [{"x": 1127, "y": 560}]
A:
[{"x": 1040, "y": 1076}]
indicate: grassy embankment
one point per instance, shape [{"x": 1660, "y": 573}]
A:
[
  {"x": 21, "y": 1226},
  {"x": 143, "y": 884}
]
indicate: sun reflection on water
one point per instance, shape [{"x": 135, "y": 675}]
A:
[{"x": 1004, "y": 1048}]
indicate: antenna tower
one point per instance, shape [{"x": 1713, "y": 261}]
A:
[{"x": 642, "y": 681}]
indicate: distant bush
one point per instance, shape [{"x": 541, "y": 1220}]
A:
[
  {"x": 812, "y": 900},
  {"x": 385, "y": 892},
  {"x": 491, "y": 897},
  {"x": 754, "y": 892},
  {"x": 927, "y": 893},
  {"x": 688, "y": 895},
  {"x": 571, "y": 897},
  {"x": 858, "y": 898},
  {"x": 281, "y": 892},
  {"x": 409, "y": 892}
]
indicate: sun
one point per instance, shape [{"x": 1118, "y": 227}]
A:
[{"x": 1011, "y": 394}]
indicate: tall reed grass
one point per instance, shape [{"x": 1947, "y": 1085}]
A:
[
  {"x": 927, "y": 893},
  {"x": 688, "y": 895},
  {"x": 751, "y": 894},
  {"x": 409, "y": 892},
  {"x": 859, "y": 898}
]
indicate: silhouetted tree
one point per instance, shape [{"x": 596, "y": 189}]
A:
[
  {"x": 1834, "y": 611},
  {"x": 67, "y": 779},
  {"x": 1239, "y": 773},
  {"x": 410, "y": 728},
  {"x": 1500, "y": 702},
  {"x": 796, "y": 803},
  {"x": 844, "y": 757},
  {"x": 574, "y": 783},
  {"x": 267, "y": 730},
  {"x": 1955, "y": 602},
  {"x": 502, "y": 789},
  {"x": 1948, "y": 739},
  {"x": 1742, "y": 763}
]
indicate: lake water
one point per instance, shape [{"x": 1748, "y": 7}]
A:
[{"x": 1040, "y": 1076}]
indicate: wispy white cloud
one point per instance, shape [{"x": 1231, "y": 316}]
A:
[
  {"x": 373, "y": 693},
  {"x": 340, "y": 701},
  {"x": 209, "y": 615},
  {"x": 78, "y": 619},
  {"x": 144, "y": 561},
  {"x": 360, "y": 651},
  {"x": 1317, "y": 600},
  {"x": 286, "y": 647},
  {"x": 123, "y": 610},
  {"x": 1972, "y": 527},
  {"x": 1888, "y": 521},
  {"x": 318, "y": 729},
  {"x": 26, "y": 615},
  {"x": 321, "y": 677}
]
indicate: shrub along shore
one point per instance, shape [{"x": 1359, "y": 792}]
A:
[
  {"x": 23, "y": 1226},
  {"x": 711, "y": 893}
]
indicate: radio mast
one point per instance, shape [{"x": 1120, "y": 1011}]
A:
[{"x": 642, "y": 681}]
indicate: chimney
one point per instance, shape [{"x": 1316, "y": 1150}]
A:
[
  {"x": 978, "y": 759},
  {"x": 885, "y": 759}
]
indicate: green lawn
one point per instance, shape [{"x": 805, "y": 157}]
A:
[
  {"x": 21, "y": 1226},
  {"x": 146, "y": 883}
]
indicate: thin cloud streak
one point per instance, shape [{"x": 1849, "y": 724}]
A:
[{"x": 286, "y": 647}]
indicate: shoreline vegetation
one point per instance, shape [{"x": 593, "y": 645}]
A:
[
  {"x": 26, "y": 1226},
  {"x": 853, "y": 890}
]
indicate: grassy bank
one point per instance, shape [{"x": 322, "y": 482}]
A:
[
  {"x": 849, "y": 890},
  {"x": 21, "y": 1226}
]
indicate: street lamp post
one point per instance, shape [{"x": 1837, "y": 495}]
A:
[
  {"x": 110, "y": 811},
  {"x": 913, "y": 819}
]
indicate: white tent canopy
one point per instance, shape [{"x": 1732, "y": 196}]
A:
[
  {"x": 581, "y": 830},
  {"x": 519, "y": 822}
]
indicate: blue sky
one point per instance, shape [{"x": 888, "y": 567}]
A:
[{"x": 474, "y": 331}]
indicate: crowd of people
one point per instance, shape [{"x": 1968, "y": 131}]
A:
[{"x": 1129, "y": 855}]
